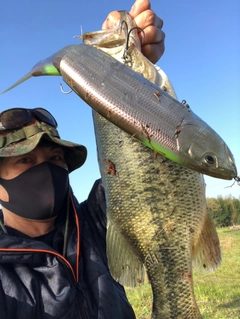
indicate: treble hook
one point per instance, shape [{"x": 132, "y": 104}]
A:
[
  {"x": 128, "y": 36},
  {"x": 65, "y": 92},
  {"x": 237, "y": 179},
  {"x": 124, "y": 22},
  {"x": 126, "y": 54},
  {"x": 128, "y": 33}
]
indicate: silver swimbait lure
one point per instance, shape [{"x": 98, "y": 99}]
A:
[
  {"x": 140, "y": 108},
  {"x": 145, "y": 111}
]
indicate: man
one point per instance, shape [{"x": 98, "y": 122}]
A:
[{"x": 53, "y": 261}]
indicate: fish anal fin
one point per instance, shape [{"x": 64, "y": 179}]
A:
[
  {"x": 206, "y": 249},
  {"x": 124, "y": 264}
]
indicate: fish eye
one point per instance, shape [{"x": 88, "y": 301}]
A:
[{"x": 209, "y": 159}]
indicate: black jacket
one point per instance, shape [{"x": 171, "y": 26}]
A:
[{"x": 38, "y": 283}]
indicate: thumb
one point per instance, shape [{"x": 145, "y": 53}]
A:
[{"x": 139, "y": 6}]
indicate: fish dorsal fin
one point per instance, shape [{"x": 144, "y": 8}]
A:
[{"x": 125, "y": 266}]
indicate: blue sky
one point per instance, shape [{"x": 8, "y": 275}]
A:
[{"x": 202, "y": 60}]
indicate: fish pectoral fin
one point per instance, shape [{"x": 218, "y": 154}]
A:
[
  {"x": 125, "y": 266},
  {"x": 206, "y": 249}
]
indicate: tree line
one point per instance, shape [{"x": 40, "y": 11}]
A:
[{"x": 225, "y": 211}]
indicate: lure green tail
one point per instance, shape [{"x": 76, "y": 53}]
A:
[{"x": 42, "y": 68}]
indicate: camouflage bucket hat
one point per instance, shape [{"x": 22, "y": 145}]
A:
[{"x": 24, "y": 140}]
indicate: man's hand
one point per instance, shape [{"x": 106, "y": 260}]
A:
[{"x": 149, "y": 22}]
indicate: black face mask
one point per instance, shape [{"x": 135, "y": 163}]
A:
[{"x": 37, "y": 193}]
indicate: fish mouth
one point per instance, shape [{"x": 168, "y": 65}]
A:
[
  {"x": 113, "y": 41},
  {"x": 110, "y": 41}
]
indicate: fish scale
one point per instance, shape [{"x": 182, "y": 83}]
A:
[{"x": 157, "y": 217}]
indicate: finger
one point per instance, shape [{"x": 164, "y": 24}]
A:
[
  {"x": 112, "y": 20},
  {"x": 153, "y": 51},
  {"x": 153, "y": 43},
  {"x": 148, "y": 18},
  {"x": 152, "y": 35},
  {"x": 139, "y": 6}
]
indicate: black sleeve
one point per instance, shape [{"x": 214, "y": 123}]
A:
[
  {"x": 3, "y": 311},
  {"x": 106, "y": 296}
]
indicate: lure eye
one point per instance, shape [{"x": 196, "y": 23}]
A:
[{"x": 210, "y": 159}]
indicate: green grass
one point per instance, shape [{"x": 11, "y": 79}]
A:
[{"x": 217, "y": 294}]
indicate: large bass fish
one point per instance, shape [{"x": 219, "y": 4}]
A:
[{"x": 156, "y": 209}]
